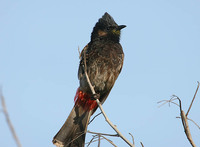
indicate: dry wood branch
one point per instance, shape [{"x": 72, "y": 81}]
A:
[
  {"x": 132, "y": 138},
  {"x": 184, "y": 120},
  {"x": 186, "y": 128},
  {"x": 141, "y": 144},
  {"x": 81, "y": 133},
  {"x": 168, "y": 101},
  {"x": 109, "y": 141},
  {"x": 100, "y": 106},
  {"x": 113, "y": 135},
  {"x": 8, "y": 119},
  {"x": 191, "y": 121},
  {"x": 79, "y": 53},
  {"x": 99, "y": 140},
  {"x": 94, "y": 117},
  {"x": 90, "y": 141},
  {"x": 193, "y": 99},
  {"x": 94, "y": 139},
  {"x": 194, "y": 122}
]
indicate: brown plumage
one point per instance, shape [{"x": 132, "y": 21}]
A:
[{"x": 104, "y": 60}]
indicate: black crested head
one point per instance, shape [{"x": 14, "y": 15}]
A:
[
  {"x": 107, "y": 20},
  {"x": 106, "y": 29}
]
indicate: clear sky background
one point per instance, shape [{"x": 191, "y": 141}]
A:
[{"x": 39, "y": 61}]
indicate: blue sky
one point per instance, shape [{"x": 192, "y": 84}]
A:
[{"x": 39, "y": 43}]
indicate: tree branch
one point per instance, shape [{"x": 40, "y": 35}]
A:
[
  {"x": 113, "y": 135},
  {"x": 132, "y": 138},
  {"x": 8, "y": 120},
  {"x": 101, "y": 108},
  {"x": 94, "y": 117},
  {"x": 184, "y": 121},
  {"x": 141, "y": 144},
  {"x": 193, "y": 99},
  {"x": 109, "y": 141}
]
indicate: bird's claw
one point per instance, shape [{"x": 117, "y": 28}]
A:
[{"x": 95, "y": 96}]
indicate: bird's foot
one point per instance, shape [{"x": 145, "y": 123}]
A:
[{"x": 95, "y": 96}]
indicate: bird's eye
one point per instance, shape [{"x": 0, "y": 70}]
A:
[{"x": 108, "y": 28}]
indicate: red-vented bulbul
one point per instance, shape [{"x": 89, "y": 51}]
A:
[{"x": 104, "y": 60}]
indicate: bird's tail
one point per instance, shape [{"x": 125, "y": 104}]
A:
[{"x": 72, "y": 133}]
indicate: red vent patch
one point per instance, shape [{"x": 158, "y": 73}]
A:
[{"x": 84, "y": 100}]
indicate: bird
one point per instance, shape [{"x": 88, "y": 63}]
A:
[{"x": 102, "y": 58}]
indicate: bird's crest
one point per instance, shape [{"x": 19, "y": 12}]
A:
[{"x": 107, "y": 20}]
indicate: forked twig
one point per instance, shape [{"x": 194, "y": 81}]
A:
[
  {"x": 185, "y": 123},
  {"x": 94, "y": 139},
  {"x": 183, "y": 116},
  {"x": 8, "y": 119},
  {"x": 193, "y": 99},
  {"x": 191, "y": 121},
  {"x": 168, "y": 101},
  {"x": 100, "y": 106}
]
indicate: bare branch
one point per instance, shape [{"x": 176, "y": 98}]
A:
[
  {"x": 102, "y": 137},
  {"x": 191, "y": 121},
  {"x": 8, "y": 119},
  {"x": 101, "y": 108},
  {"x": 186, "y": 128},
  {"x": 141, "y": 144},
  {"x": 94, "y": 117},
  {"x": 109, "y": 141},
  {"x": 79, "y": 53},
  {"x": 184, "y": 121},
  {"x": 132, "y": 138},
  {"x": 194, "y": 122},
  {"x": 95, "y": 139},
  {"x": 79, "y": 135},
  {"x": 193, "y": 99},
  {"x": 91, "y": 140},
  {"x": 113, "y": 135},
  {"x": 168, "y": 101},
  {"x": 99, "y": 138}
]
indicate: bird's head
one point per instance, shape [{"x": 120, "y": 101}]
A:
[{"x": 107, "y": 29}]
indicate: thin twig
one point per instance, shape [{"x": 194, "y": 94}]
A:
[
  {"x": 79, "y": 53},
  {"x": 193, "y": 99},
  {"x": 90, "y": 141},
  {"x": 81, "y": 133},
  {"x": 168, "y": 101},
  {"x": 8, "y": 120},
  {"x": 186, "y": 128},
  {"x": 94, "y": 117},
  {"x": 109, "y": 141},
  {"x": 194, "y": 122},
  {"x": 95, "y": 139},
  {"x": 191, "y": 121},
  {"x": 99, "y": 142},
  {"x": 132, "y": 138},
  {"x": 185, "y": 122},
  {"x": 113, "y": 135},
  {"x": 141, "y": 144},
  {"x": 101, "y": 108}
]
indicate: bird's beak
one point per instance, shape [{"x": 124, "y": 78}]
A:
[{"x": 121, "y": 27}]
